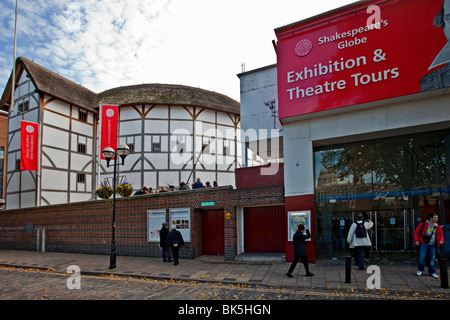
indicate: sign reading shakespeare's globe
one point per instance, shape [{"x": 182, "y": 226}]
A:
[{"x": 352, "y": 56}]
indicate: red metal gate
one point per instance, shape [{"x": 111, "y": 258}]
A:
[
  {"x": 264, "y": 229},
  {"x": 213, "y": 236}
]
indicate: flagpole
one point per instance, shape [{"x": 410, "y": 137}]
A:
[
  {"x": 99, "y": 151},
  {"x": 13, "y": 80}
]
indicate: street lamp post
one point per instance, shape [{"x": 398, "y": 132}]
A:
[{"x": 108, "y": 153}]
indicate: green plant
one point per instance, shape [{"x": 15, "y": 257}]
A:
[
  {"x": 124, "y": 189},
  {"x": 104, "y": 191}
]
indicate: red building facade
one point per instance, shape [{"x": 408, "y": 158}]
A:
[{"x": 363, "y": 98}]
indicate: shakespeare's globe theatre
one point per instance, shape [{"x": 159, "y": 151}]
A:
[{"x": 176, "y": 134}]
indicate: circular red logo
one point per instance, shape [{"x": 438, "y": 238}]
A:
[{"x": 303, "y": 47}]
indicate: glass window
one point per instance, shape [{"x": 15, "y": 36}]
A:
[
  {"x": 156, "y": 147},
  {"x": 81, "y": 148},
  {"x": 81, "y": 177},
  {"x": 396, "y": 181},
  {"x": 82, "y": 116},
  {"x": 406, "y": 165}
]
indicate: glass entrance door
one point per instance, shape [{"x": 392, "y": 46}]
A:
[
  {"x": 341, "y": 222},
  {"x": 392, "y": 230}
]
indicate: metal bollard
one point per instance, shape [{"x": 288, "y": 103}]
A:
[
  {"x": 444, "y": 274},
  {"x": 348, "y": 270}
]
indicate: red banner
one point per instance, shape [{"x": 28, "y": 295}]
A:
[
  {"x": 110, "y": 118},
  {"x": 364, "y": 52},
  {"x": 29, "y": 134}
]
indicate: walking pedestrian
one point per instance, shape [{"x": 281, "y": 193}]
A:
[
  {"x": 366, "y": 249},
  {"x": 299, "y": 238},
  {"x": 163, "y": 233},
  {"x": 358, "y": 238},
  {"x": 428, "y": 236},
  {"x": 175, "y": 240}
]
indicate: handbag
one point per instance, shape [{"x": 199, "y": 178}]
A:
[{"x": 426, "y": 238}]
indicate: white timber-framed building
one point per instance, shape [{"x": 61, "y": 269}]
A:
[{"x": 175, "y": 133}]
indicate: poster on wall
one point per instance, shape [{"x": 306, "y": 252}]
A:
[
  {"x": 181, "y": 217},
  {"x": 295, "y": 218},
  {"x": 155, "y": 219}
]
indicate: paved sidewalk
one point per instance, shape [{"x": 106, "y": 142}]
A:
[{"x": 396, "y": 277}]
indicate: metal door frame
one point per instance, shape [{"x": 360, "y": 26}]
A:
[{"x": 405, "y": 212}]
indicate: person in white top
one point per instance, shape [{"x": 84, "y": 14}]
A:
[{"x": 358, "y": 238}]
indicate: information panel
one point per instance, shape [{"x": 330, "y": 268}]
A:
[
  {"x": 155, "y": 219},
  {"x": 181, "y": 217}
]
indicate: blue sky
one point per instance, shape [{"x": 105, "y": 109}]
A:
[{"x": 102, "y": 44}]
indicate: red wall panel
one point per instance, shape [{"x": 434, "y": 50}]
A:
[
  {"x": 264, "y": 229},
  {"x": 299, "y": 203},
  {"x": 213, "y": 232}
]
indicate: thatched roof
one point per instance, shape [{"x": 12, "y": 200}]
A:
[
  {"x": 54, "y": 85},
  {"x": 168, "y": 94},
  {"x": 50, "y": 83}
]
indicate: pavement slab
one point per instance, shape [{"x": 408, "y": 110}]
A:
[{"x": 396, "y": 276}]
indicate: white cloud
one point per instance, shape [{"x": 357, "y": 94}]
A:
[{"x": 108, "y": 43}]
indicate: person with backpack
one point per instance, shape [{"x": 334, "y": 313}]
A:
[
  {"x": 428, "y": 236},
  {"x": 358, "y": 238}
]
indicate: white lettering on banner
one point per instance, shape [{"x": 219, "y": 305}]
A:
[
  {"x": 109, "y": 131},
  {"x": 352, "y": 33},
  {"x": 319, "y": 89},
  {"x": 375, "y": 76},
  {"x": 323, "y": 69},
  {"x": 347, "y": 39},
  {"x": 328, "y": 86},
  {"x": 351, "y": 43},
  {"x": 27, "y": 151}
]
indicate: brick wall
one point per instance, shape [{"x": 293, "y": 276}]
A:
[{"x": 86, "y": 227}]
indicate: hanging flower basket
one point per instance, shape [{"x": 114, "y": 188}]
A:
[
  {"x": 104, "y": 192},
  {"x": 124, "y": 189}
]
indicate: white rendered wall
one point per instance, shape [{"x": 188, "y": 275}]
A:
[
  {"x": 176, "y": 127},
  {"x": 20, "y": 185},
  {"x": 258, "y": 122},
  {"x": 62, "y": 132}
]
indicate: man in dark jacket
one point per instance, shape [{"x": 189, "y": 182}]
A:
[
  {"x": 198, "y": 184},
  {"x": 300, "y": 250},
  {"x": 175, "y": 240},
  {"x": 163, "y": 242}
]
